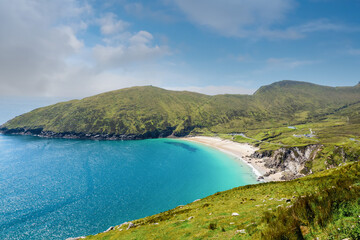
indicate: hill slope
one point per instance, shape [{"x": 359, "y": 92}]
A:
[
  {"x": 325, "y": 205},
  {"x": 147, "y": 112}
]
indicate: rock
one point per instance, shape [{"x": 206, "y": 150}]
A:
[
  {"x": 109, "y": 229},
  {"x": 190, "y": 218},
  {"x": 235, "y": 214},
  {"x": 240, "y": 231},
  {"x": 79, "y": 135},
  {"x": 124, "y": 223},
  {"x": 196, "y": 200},
  {"x": 289, "y": 159},
  {"x": 131, "y": 225},
  {"x": 75, "y": 238},
  {"x": 288, "y": 176},
  {"x": 269, "y": 173}
]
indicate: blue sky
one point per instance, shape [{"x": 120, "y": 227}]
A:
[{"x": 76, "y": 48}]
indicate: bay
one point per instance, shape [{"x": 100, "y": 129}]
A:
[{"x": 60, "y": 188}]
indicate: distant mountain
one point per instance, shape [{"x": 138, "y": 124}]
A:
[{"x": 148, "y": 112}]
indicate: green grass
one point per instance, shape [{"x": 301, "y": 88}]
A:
[
  {"x": 151, "y": 111},
  {"x": 313, "y": 215},
  {"x": 332, "y": 113},
  {"x": 333, "y": 133},
  {"x": 316, "y": 204}
]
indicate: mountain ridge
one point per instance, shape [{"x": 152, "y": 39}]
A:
[{"x": 147, "y": 111}]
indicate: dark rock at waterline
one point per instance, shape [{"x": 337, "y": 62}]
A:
[
  {"x": 260, "y": 178},
  {"x": 39, "y": 132}
]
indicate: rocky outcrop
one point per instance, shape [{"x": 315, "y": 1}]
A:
[
  {"x": 290, "y": 160},
  {"x": 39, "y": 132}
]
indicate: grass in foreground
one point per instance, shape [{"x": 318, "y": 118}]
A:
[{"x": 323, "y": 205}]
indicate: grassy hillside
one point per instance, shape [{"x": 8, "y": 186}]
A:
[
  {"x": 153, "y": 112},
  {"x": 325, "y": 205},
  {"x": 336, "y": 132}
]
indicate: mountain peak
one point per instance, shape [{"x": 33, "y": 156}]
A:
[{"x": 283, "y": 84}]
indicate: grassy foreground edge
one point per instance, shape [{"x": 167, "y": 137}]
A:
[{"x": 324, "y": 205}]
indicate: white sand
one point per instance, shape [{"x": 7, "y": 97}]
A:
[{"x": 241, "y": 151}]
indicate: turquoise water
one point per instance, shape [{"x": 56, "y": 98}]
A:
[{"x": 58, "y": 188}]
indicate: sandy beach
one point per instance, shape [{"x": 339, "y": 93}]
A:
[{"x": 242, "y": 151}]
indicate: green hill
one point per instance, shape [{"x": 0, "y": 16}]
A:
[
  {"x": 147, "y": 112},
  {"x": 323, "y": 205}
]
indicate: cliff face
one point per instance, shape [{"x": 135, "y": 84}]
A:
[
  {"x": 291, "y": 160},
  {"x": 93, "y": 136}
]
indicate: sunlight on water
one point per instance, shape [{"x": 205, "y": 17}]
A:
[{"x": 57, "y": 188}]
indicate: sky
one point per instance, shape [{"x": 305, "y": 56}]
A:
[{"x": 78, "y": 48}]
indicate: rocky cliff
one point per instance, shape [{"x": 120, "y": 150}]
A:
[{"x": 292, "y": 161}]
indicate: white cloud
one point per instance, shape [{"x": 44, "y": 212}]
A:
[
  {"x": 289, "y": 63},
  {"x": 42, "y": 54},
  {"x": 253, "y": 18},
  {"x": 321, "y": 25},
  {"x": 141, "y": 38},
  {"x": 110, "y": 25},
  {"x": 136, "y": 48},
  {"x": 140, "y": 11},
  {"x": 72, "y": 40},
  {"x": 83, "y": 82},
  {"x": 353, "y": 51},
  {"x": 32, "y": 45},
  {"x": 239, "y": 18}
]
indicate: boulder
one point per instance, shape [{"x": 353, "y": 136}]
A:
[
  {"x": 131, "y": 225},
  {"x": 109, "y": 229}
]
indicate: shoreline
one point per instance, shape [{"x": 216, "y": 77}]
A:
[{"x": 241, "y": 151}]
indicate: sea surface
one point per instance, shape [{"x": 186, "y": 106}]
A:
[{"x": 59, "y": 188}]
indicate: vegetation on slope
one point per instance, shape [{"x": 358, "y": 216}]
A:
[
  {"x": 153, "y": 112},
  {"x": 337, "y": 133},
  {"x": 325, "y": 205}
]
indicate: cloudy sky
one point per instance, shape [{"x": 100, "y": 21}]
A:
[{"x": 76, "y": 48}]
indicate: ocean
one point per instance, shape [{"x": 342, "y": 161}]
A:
[{"x": 60, "y": 188}]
